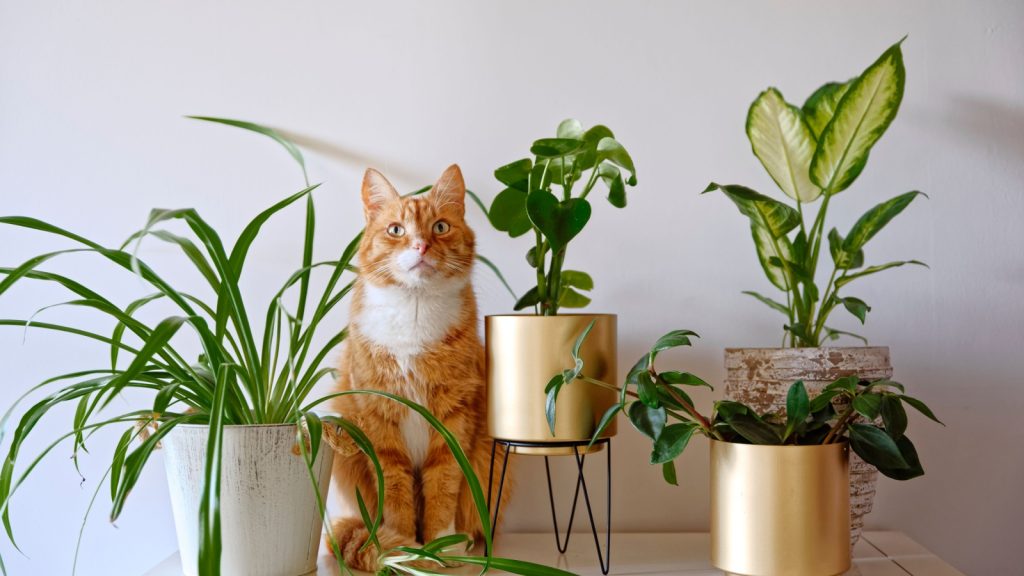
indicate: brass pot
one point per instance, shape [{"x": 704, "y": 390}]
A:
[
  {"x": 780, "y": 509},
  {"x": 523, "y": 353}
]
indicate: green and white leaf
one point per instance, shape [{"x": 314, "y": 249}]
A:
[
  {"x": 769, "y": 248},
  {"x": 774, "y": 216},
  {"x": 862, "y": 116},
  {"x": 821, "y": 106},
  {"x": 784, "y": 144},
  {"x": 875, "y": 219}
]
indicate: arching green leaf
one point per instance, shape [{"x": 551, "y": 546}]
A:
[{"x": 783, "y": 143}]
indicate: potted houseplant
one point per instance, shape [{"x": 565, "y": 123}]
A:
[
  {"x": 547, "y": 197},
  {"x": 779, "y": 482},
  {"x": 246, "y": 459},
  {"x": 813, "y": 153}
]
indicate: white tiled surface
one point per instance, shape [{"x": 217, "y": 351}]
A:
[{"x": 877, "y": 554}]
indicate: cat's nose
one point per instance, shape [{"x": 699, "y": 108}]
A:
[{"x": 420, "y": 246}]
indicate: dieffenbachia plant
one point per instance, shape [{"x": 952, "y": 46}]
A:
[
  {"x": 814, "y": 152},
  {"x": 243, "y": 376},
  {"x": 538, "y": 197},
  {"x": 871, "y": 416}
]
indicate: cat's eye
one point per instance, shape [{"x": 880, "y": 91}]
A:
[
  {"x": 396, "y": 231},
  {"x": 441, "y": 227}
]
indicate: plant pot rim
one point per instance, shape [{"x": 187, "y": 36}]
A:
[
  {"x": 570, "y": 315},
  {"x": 791, "y": 349},
  {"x": 840, "y": 445}
]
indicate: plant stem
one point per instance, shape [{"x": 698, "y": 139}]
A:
[
  {"x": 608, "y": 386},
  {"x": 841, "y": 424},
  {"x": 590, "y": 183}
]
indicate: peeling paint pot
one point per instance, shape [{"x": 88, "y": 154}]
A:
[
  {"x": 760, "y": 378},
  {"x": 270, "y": 525}
]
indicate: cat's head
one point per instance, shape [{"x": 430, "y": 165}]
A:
[{"x": 418, "y": 240}]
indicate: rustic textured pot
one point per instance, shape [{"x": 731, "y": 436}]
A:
[
  {"x": 270, "y": 525},
  {"x": 760, "y": 378},
  {"x": 780, "y": 510},
  {"x": 523, "y": 353}
]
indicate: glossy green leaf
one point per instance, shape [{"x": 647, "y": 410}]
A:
[
  {"x": 920, "y": 407},
  {"x": 909, "y": 454},
  {"x": 784, "y": 144},
  {"x": 649, "y": 421},
  {"x": 876, "y": 447},
  {"x": 559, "y": 222},
  {"x": 821, "y": 105},
  {"x": 894, "y": 416},
  {"x": 672, "y": 339},
  {"x": 612, "y": 178},
  {"x": 578, "y": 344},
  {"x": 515, "y": 175},
  {"x": 508, "y": 213},
  {"x": 555, "y": 147},
  {"x": 770, "y": 250},
  {"x": 646, "y": 389},
  {"x": 672, "y": 441},
  {"x": 773, "y": 304},
  {"x": 570, "y": 128},
  {"x": 875, "y": 219},
  {"x": 577, "y": 279},
  {"x": 843, "y": 281},
  {"x": 531, "y": 298},
  {"x": 764, "y": 212},
  {"x": 821, "y": 401},
  {"x": 798, "y": 408},
  {"x": 684, "y": 378},
  {"x": 857, "y": 307},
  {"x": 606, "y": 419},
  {"x": 843, "y": 259},
  {"x": 868, "y": 405},
  {"x": 861, "y": 117},
  {"x": 753, "y": 429},
  {"x": 668, "y": 472},
  {"x": 610, "y": 149}
]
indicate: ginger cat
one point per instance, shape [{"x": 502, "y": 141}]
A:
[{"x": 413, "y": 332}]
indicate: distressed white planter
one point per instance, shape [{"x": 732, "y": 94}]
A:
[{"x": 270, "y": 525}]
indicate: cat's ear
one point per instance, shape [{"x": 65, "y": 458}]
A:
[
  {"x": 377, "y": 192},
  {"x": 450, "y": 190}
]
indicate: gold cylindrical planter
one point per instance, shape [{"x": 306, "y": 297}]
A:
[
  {"x": 523, "y": 353},
  {"x": 780, "y": 509}
]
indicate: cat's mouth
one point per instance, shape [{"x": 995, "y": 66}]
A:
[{"x": 422, "y": 266}]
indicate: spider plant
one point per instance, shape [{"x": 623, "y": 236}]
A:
[{"x": 242, "y": 376}]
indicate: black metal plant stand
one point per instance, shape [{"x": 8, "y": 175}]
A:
[{"x": 581, "y": 481}]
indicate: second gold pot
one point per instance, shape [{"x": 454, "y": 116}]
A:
[
  {"x": 523, "y": 353},
  {"x": 780, "y": 510}
]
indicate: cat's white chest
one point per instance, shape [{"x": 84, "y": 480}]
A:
[{"x": 406, "y": 321}]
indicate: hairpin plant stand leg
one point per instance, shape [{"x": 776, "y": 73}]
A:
[{"x": 604, "y": 559}]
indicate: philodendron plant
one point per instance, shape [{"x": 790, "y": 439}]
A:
[
  {"x": 243, "y": 376},
  {"x": 869, "y": 415},
  {"x": 539, "y": 197},
  {"x": 813, "y": 152}
]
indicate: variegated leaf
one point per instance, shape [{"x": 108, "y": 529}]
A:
[{"x": 783, "y": 143}]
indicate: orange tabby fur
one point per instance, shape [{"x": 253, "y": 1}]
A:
[{"x": 413, "y": 332}]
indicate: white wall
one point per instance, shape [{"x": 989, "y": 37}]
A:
[{"x": 92, "y": 136}]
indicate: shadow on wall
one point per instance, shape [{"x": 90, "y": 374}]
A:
[{"x": 395, "y": 170}]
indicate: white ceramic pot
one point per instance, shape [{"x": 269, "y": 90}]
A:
[{"x": 270, "y": 525}]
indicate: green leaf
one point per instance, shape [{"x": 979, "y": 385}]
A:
[
  {"x": 843, "y": 281},
  {"x": 570, "y": 298},
  {"x": 570, "y": 128},
  {"x": 672, "y": 339},
  {"x": 909, "y": 454},
  {"x": 668, "y": 472},
  {"x": 209, "y": 506},
  {"x": 764, "y": 212},
  {"x": 515, "y": 175},
  {"x": 868, "y": 405},
  {"x": 857, "y": 307},
  {"x": 508, "y": 565},
  {"x": 531, "y": 298},
  {"x": 646, "y": 389},
  {"x": 577, "y": 279},
  {"x": 821, "y": 106},
  {"x": 876, "y": 447},
  {"x": 920, "y": 407},
  {"x": 553, "y": 387},
  {"x": 612, "y": 178},
  {"x": 579, "y": 341},
  {"x": 875, "y": 219},
  {"x": 773, "y": 304},
  {"x": 684, "y": 378},
  {"x": 821, "y": 401},
  {"x": 606, "y": 419},
  {"x": 753, "y": 429},
  {"x": 845, "y": 383},
  {"x": 559, "y": 222},
  {"x": 497, "y": 272},
  {"x": 508, "y": 213},
  {"x": 833, "y": 334},
  {"x": 649, "y": 421},
  {"x": 608, "y": 148},
  {"x": 555, "y": 147},
  {"x": 798, "y": 408},
  {"x": 784, "y": 144},
  {"x": 772, "y": 252},
  {"x": 843, "y": 259},
  {"x": 672, "y": 442},
  {"x": 894, "y": 416},
  {"x": 861, "y": 117}
]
